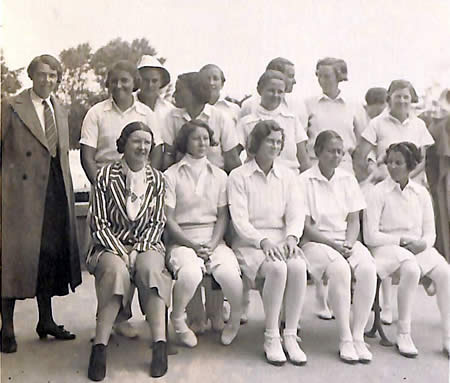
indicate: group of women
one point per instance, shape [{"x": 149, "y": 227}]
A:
[{"x": 255, "y": 197}]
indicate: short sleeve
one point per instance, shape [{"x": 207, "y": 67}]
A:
[
  {"x": 300, "y": 133},
  {"x": 168, "y": 129},
  {"x": 355, "y": 197},
  {"x": 89, "y": 128},
  {"x": 223, "y": 197},
  {"x": 425, "y": 138},
  {"x": 228, "y": 137},
  {"x": 370, "y": 133},
  {"x": 155, "y": 127},
  {"x": 303, "y": 182},
  {"x": 171, "y": 182}
]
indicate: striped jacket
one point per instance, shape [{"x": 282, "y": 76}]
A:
[{"x": 112, "y": 230}]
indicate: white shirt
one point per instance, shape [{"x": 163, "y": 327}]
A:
[
  {"x": 261, "y": 203},
  {"x": 329, "y": 202},
  {"x": 218, "y": 121},
  {"x": 229, "y": 108},
  {"x": 385, "y": 130},
  {"x": 37, "y": 103},
  {"x": 393, "y": 213},
  {"x": 104, "y": 122},
  {"x": 293, "y": 131}
]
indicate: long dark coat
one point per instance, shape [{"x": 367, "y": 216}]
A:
[{"x": 25, "y": 172}]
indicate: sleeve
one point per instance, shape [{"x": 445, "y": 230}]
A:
[
  {"x": 303, "y": 189},
  {"x": 238, "y": 202},
  {"x": 90, "y": 127},
  {"x": 370, "y": 133},
  {"x": 155, "y": 127},
  {"x": 246, "y": 107},
  {"x": 154, "y": 228},
  {"x": 300, "y": 133},
  {"x": 168, "y": 129},
  {"x": 295, "y": 208},
  {"x": 355, "y": 197},
  {"x": 228, "y": 137},
  {"x": 359, "y": 119},
  {"x": 428, "y": 223},
  {"x": 425, "y": 139},
  {"x": 170, "y": 182},
  {"x": 241, "y": 133},
  {"x": 302, "y": 113},
  {"x": 100, "y": 224},
  {"x": 223, "y": 196},
  {"x": 373, "y": 237}
]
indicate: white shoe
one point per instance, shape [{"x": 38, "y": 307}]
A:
[
  {"x": 273, "y": 350},
  {"x": 185, "y": 335},
  {"x": 364, "y": 355},
  {"x": 386, "y": 316},
  {"x": 347, "y": 352},
  {"x": 293, "y": 351},
  {"x": 406, "y": 345},
  {"x": 228, "y": 334},
  {"x": 226, "y": 311},
  {"x": 325, "y": 314},
  {"x": 125, "y": 329}
]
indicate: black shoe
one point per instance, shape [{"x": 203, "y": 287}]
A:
[
  {"x": 8, "y": 344},
  {"x": 59, "y": 332},
  {"x": 158, "y": 366},
  {"x": 97, "y": 363}
]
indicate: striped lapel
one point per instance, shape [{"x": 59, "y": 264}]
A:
[{"x": 118, "y": 188}]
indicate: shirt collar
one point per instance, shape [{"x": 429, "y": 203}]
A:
[
  {"x": 204, "y": 115},
  {"x": 387, "y": 114},
  {"x": 138, "y": 106},
  {"x": 253, "y": 167},
  {"x": 411, "y": 185},
  {"x": 340, "y": 98},
  {"x": 185, "y": 162},
  {"x": 37, "y": 99},
  {"x": 282, "y": 110},
  {"x": 317, "y": 174}
]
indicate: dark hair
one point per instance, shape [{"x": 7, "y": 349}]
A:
[
  {"x": 128, "y": 130},
  {"x": 198, "y": 84},
  {"x": 214, "y": 66},
  {"x": 376, "y": 96},
  {"x": 267, "y": 76},
  {"x": 323, "y": 138},
  {"x": 410, "y": 152},
  {"x": 339, "y": 67},
  {"x": 279, "y": 64},
  {"x": 187, "y": 129},
  {"x": 126, "y": 66},
  {"x": 49, "y": 60},
  {"x": 402, "y": 84},
  {"x": 259, "y": 133}
]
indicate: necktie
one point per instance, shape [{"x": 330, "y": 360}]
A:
[{"x": 50, "y": 129}]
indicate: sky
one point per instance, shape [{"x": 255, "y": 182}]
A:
[{"x": 380, "y": 40}]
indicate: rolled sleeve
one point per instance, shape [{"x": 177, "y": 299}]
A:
[
  {"x": 428, "y": 223},
  {"x": 228, "y": 138},
  {"x": 370, "y": 133},
  {"x": 295, "y": 209},
  {"x": 170, "y": 178},
  {"x": 300, "y": 133},
  {"x": 89, "y": 128}
]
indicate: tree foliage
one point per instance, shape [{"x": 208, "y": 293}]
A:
[{"x": 9, "y": 79}]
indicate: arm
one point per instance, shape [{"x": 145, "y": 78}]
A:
[
  {"x": 428, "y": 222},
  {"x": 360, "y": 163},
  {"x": 219, "y": 228},
  {"x": 231, "y": 159},
  {"x": 177, "y": 233},
  {"x": 302, "y": 157},
  {"x": 314, "y": 235},
  {"x": 168, "y": 157},
  {"x": 156, "y": 157},
  {"x": 352, "y": 232},
  {"x": 87, "y": 155}
]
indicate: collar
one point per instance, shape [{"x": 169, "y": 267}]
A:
[
  {"x": 186, "y": 162},
  {"x": 391, "y": 185},
  {"x": 138, "y": 106},
  {"x": 204, "y": 115},
  {"x": 37, "y": 99},
  {"x": 340, "y": 98},
  {"x": 387, "y": 114},
  {"x": 253, "y": 167},
  {"x": 315, "y": 173},
  {"x": 262, "y": 112}
]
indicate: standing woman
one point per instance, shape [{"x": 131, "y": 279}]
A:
[
  {"x": 197, "y": 217},
  {"x": 127, "y": 224},
  {"x": 37, "y": 195},
  {"x": 334, "y": 202},
  {"x": 397, "y": 124},
  {"x": 192, "y": 95},
  {"x": 399, "y": 229},
  {"x": 216, "y": 80},
  {"x": 268, "y": 214}
]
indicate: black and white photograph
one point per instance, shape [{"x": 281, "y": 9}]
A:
[{"x": 225, "y": 191}]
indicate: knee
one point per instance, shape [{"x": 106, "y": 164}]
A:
[
  {"x": 114, "y": 268},
  {"x": 410, "y": 270},
  {"x": 296, "y": 266},
  {"x": 366, "y": 271},
  {"x": 339, "y": 269},
  {"x": 277, "y": 269},
  {"x": 191, "y": 275}
]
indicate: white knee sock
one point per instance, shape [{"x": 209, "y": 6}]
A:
[
  {"x": 295, "y": 292},
  {"x": 441, "y": 279},
  {"x": 188, "y": 279},
  {"x": 409, "y": 279}
]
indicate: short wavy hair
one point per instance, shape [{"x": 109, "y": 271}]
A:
[
  {"x": 187, "y": 129},
  {"x": 402, "y": 84},
  {"x": 126, "y": 66},
  {"x": 214, "y": 66},
  {"x": 259, "y": 133},
  {"x": 411, "y": 153},
  {"x": 339, "y": 66},
  {"x": 323, "y": 138},
  {"x": 49, "y": 60},
  {"x": 198, "y": 84},
  {"x": 128, "y": 130},
  {"x": 279, "y": 64},
  {"x": 267, "y": 76}
]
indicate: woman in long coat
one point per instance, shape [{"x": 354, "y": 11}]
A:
[{"x": 39, "y": 244}]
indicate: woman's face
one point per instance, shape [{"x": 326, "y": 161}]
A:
[
  {"x": 198, "y": 143},
  {"x": 121, "y": 86},
  {"x": 215, "y": 82},
  {"x": 290, "y": 76},
  {"x": 331, "y": 155},
  {"x": 44, "y": 80},
  {"x": 137, "y": 147},
  {"x": 151, "y": 80},
  {"x": 182, "y": 94},
  {"x": 270, "y": 147},
  {"x": 397, "y": 167},
  {"x": 400, "y": 103},
  {"x": 327, "y": 78},
  {"x": 272, "y": 93}
]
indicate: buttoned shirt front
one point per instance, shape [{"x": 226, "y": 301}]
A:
[
  {"x": 104, "y": 122},
  {"x": 329, "y": 202},
  {"x": 39, "y": 107},
  {"x": 385, "y": 130},
  {"x": 218, "y": 121},
  {"x": 293, "y": 131},
  {"x": 260, "y": 203},
  {"x": 193, "y": 209},
  {"x": 393, "y": 213}
]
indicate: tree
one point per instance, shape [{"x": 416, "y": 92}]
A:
[{"x": 9, "y": 79}]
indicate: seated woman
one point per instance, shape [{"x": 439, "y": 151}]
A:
[
  {"x": 127, "y": 224},
  {"x": 197, "y": 217},
  {"x": 334, "y": 201},
  {"x": 267, "y": 214},
  {"x": 399, "y": 229}
]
